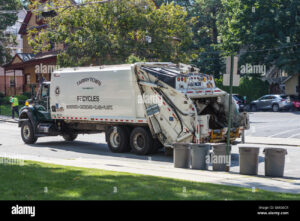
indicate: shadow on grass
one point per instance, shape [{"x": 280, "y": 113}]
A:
[{"x": 30, "y": 181}]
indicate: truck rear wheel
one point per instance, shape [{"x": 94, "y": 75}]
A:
[
  {"x": 117, "y": 139},
  {"x": 27, "y": 133},
  {"x": 141, "y": 141},
  {"x": 70, "y": 137}
]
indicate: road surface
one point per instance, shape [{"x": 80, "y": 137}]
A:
[
  {"x": 274, "y": 125},
  {"x": 94, "y": 147}
]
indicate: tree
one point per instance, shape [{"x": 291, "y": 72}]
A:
[
  {"x": 8, "y": 17},
  {"x": 109, "y": 33},
  {"x": 206, "y": 35},
  {"x": 250, "y": 86},
  {"x": 265, "y": 32}
]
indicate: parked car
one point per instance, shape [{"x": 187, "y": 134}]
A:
[
  {"x": 240, "y": 101},
  {"x": 296, "y": 102},
  {"x": 236, "y": 103},
  {"x": 274, "y": 102}
]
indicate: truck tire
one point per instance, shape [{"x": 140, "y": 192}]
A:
[
  {"x": 141, "y": 141},
  {"x": 27, "y": 133},
  {"x": 70, "y": 137},
  {"x": 118, "y": 139}
]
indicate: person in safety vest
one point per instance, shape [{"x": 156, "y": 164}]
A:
[{"x": 14, "y": 106}]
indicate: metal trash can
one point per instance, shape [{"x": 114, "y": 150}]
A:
[
  {"x": 249, "y": 160},
  {"x": 182, "y": 155},
  {"x": 218, "y": 158},
  {"x": 274, "y": 161},
  {"x": 199, "y": 153}
]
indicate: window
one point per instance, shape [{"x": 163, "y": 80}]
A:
[
  {"x": 27, "y": 79},
  {"x": 12, "y": 82},
  {"x": 45, "y": 91},
  {"x": 269, "y": 97}
]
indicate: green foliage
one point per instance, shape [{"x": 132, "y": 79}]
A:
[
  {"x": 109, "y": 33},
  {"x": 5, "y": 110},
  {"x": 27, "y": 182},
  {"x": 7, "y": 19},
  {"x": 257, "y": 26},
  {"x": 133, "y": 59},
  {"x": 22, "y": 98},
  {"x": 27, "y": 95},
  {"x": 206, "y": 35},
  {"x": 6, "y": 100},
  {"x": 251, "y": 87}
]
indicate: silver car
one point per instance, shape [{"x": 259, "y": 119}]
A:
[{"x": 274, "y": 102}]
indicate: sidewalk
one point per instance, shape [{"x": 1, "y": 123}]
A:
[
  {"x": 272, "y": 141},
  {"x": 8, "y": 119},
  {"x": 288, "y": 185}
]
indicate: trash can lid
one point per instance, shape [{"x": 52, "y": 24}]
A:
[
  {"x": 248, "y": 149},
  {"x": 181, "y": 145},
  {"x": 220, "y": 146},
  {"x": 201, "y": 145},
  {"x": 275, "y": 150}
]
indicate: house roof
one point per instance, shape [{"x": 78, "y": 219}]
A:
[
  {"x": 25, "y": 56},
  {"x": 29, "y": 58},
  {"x": 287, "y": 79},
  {"x": 23, "y": 27}
]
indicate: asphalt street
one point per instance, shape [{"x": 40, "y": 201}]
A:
[
  {"x": 275, "y": 125},
  {"x": 94, "y": 147}
]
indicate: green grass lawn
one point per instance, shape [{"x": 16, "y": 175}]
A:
[
  {"x": 30, "y": 181},
  {"x": 5, "y": 110}
]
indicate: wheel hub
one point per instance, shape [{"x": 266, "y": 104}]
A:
[
  {"x": 26, "y": 132},
  {"x": 139, "y": 141},
  {"x": 114, "y": 139}
]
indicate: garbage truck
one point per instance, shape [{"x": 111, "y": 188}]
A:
[{"x": 139, "y": 107}]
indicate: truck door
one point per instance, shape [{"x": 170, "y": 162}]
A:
[{"x": 43, "y": 99}]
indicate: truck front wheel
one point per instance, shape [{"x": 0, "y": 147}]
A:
[
  {"x": 27, "y": 133},
  {"x": 70, "y": 137},
  {"x": 141, "y": 141},
  {"x": 117, "y": 139}
]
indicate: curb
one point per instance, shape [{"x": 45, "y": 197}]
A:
[
  {"x": 9, "y": 121},
  {"x": 273, "y": 141},
  {"x": 278, "y": 144}
]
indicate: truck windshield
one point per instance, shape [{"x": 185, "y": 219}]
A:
[{"x": 45, "y": 91}]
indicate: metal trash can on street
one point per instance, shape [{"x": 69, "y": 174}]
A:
[
  {"x": 199, "y": 153},
  {"x": 274, "y": 161},
  {"x": 182, "y": 155},
  {"x": 249, "y": 160},
  {"x": 219, "y": 159}
]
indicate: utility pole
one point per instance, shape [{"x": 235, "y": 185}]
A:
[
  {"x": 231, "y": 78},
  {"x": 229, "y": 116}
]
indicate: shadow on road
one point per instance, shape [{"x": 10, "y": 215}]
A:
[{"x": 98, "y": 149}]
